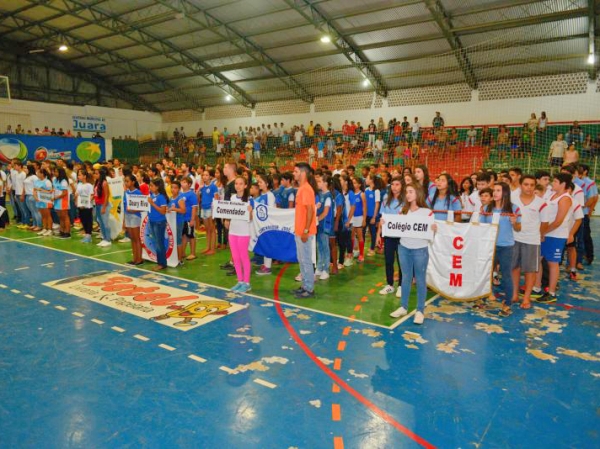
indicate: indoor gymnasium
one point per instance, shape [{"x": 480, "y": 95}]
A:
[{"x": 299, "y": 224}]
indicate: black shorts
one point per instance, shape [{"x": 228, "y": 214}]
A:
[
  {"x": 556, "y": 162},
  {"x": 188, "y": 231}
]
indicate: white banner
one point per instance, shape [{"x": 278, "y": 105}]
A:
[
  {"x": 138, "y": 203},
  {"x": 117, "y": 190},
  {"x": 149, "y": 246},
  {"x": 230, "y": 210},
  {"x": 45, "y": 196},
  {"x": 461, "y": 260},
  {"x": 144, "y": 298},
  {"x": 416, "y": 226},
  {"x": 84, "y": 201}
]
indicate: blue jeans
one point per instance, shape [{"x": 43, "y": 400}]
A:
[
  {"x": 323, "y": 253},
  {"x": 24, "y": 211},
  {"x": 102, "y": 219},
  {"x": 579, "y": 244},
  {"x": 504, "y": 255},
  {"x": 158, "y": 229},
  {"x": 305, "y": 259},
  {"x": 33, "y": 210},
  {"x": 414, "y": 261}
]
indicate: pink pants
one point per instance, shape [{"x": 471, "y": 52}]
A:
[{"x": 241, "y": 259}]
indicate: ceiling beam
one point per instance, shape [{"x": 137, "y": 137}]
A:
[
  {"x": 311, "y": 13},
  {"x": 75, "y": 71},
  {"x": 592, "y": 39},
  {"x": 440, "y": 15},
  {"x": 169, "y": 50},
  {"x": 136, "y": 70},
  {"x": 209, "y": 21}
]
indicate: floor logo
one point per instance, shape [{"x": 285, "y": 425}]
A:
[{"x": 166, "y": 305}]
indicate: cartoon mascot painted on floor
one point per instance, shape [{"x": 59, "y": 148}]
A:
[{"x": 196, "y": 310}]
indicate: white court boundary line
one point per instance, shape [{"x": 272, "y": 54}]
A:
[{"x": 129, "y": 267}]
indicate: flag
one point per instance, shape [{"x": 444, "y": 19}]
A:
[{"x": 272, "y": 233}]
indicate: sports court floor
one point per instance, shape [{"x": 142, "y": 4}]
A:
[{"x": 274, "y": 372}]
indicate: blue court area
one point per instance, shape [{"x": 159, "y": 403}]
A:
[{"x": 78, "y": 373}]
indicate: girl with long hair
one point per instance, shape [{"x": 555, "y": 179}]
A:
[
  {"x": 510, "y": 222},
  {"x": 177, "y": 204},
  {"x": 157, "y": 220},
  {"x": 133, "y": 220},
  {"x": 239, "y": 237},
  {"x": 357, "y": 216},
  {"x": 28, "y": 187},
  {"x": 344, "y": 230},
  {"x": 208, "y": 191},
  {"x": 392, "y": 201},
  {"x": 338, "y": 222},
  {"x": 414, "y": 255},
  {"x": 102, "y": 202},
  {"x": 326, "y": 220},
  {"x": 445, "y": 198},
  {"x": 62, "y": 194},
  {"x": 44, "y": 184},
  {"x": 83, "y": 199},
  {"x": 266, "y": 197},
  {"x": 373, "y": 196},
  {"x": 422, "y": 174}
]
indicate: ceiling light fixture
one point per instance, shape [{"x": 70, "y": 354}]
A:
[
  {"x": 228, "y": 98},
  {"x": 591, "y": 59},
  {"x": 325, "y": 39},
  {"x": 366, "y": 83},
  {"x": 63, "y": 48}
]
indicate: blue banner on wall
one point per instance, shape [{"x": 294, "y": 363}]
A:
[{"x": 40, "y": 148}]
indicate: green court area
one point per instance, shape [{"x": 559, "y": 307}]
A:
[{"x": 354, "y": 291}]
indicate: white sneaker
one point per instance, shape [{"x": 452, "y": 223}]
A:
[
  {"x": 348, "y": 262},
  {"x": 399, "y": 292},
  {"x": 125, "y": 240},
  {"x": 55, "y": 226},
  {"x": 355, "y": 253},
  {"x": 399, "y": 312},
  {"x": 104, "y": 244},
  {"x": 386, "y": 290},
  {"x": 42, "y": 232},
  {"x": 419, "y": 318},
  {"x": 298, "y": 278},
  {"x": 324, "y": 276}
]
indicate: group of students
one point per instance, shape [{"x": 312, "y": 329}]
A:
[{"x": 538, "y": 219}]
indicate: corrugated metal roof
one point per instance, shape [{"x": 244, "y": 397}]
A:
[{"x": 400, "y": 40}]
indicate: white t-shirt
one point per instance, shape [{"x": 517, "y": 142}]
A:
[
  {"x": 17, "y": 181},
  {"x": 85, "y": 190},
  {"x": 562, "y": 232},
  {"x": 532, "y": 216},
  {"x": 576, "y": 213},
  {"x": 558, "y": 148},
  {"x": 415, "y": 127},
  {"x": 472, "y": 133},
  {"x": 28, "y": 184},
  {"x": 298, "y": 136},
  {"x": 473, "y": 203},
  {"x": 240, "y": 228},
  {"x": 578, "y": 195},
  {"x": 412, "y": 243}
]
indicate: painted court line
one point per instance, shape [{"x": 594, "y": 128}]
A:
[
  {"x": 114, "y": 252},
  {"x": 44, "y": 302},
  {"x": 297, "y": 306},
  {"x": 228, "y": 370},
  {"x": 196, "y": 358},
  {"x": 167, "y": 347},
  {"x": 338, "y": 443},
  {"x": 3, "y": 286},
  {"x": 264, "y": 383},
  {"x": 406, "y": 317},
  {"x": 29, "y": 296},
  {"x": 60, "y": 308},
  {"x": 336, "y": 378},
  {"x": 22, "y": 268},
  {"x": 97, "y": 321},
  {"x": 336, "y": 412},
  {"x": 337, "y": 364},
  {"x": 118, "y": 329},
  {"x": 141, "y": 337},
  {"x": 335, "y": 388},
  {"x": 16, "y": 291},
  {"x": 47, "y": 264},
  {"x": 79, "y": 314},
  {"x": 341, "y": 346}
]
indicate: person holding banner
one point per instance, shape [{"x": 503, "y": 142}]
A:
[
  {"x": 239, "y": 237},
  {"x": 43, "y": 195},
  {"x": 267, "y": 198},
  {"x": 510, "y": 222},
  {"x": 391, "y": 203},
  {"x": 83, "y": 199},
  {"x": 445, "y": 198},
  {"x": 157, "y": 220},
  {"x": 102, "y": 202},
  {"x": 133, "y": 219},
  {"x": 414, "y": 255}
]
